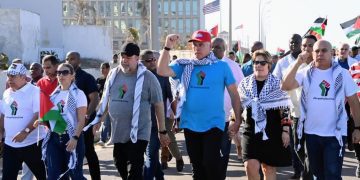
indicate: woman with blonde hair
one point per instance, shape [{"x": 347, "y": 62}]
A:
[{"x": 266, "y": 137}]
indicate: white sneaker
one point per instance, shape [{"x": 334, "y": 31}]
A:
[{"x": 100, "y": 143}]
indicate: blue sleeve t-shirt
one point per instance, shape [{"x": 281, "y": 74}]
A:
[{"x": 204, "y": 105}]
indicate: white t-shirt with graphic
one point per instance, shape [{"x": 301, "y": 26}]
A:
[
  {"x": 18, "y": 108},
  {"x": 321, "y": 112},
  {"x": 61, "y": 100}
]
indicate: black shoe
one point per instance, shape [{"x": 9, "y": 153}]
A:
[
  {"x": 357, "y": 171},
  {"x": 164, "y": 165},
  {"x": 179, "y": 165},
  {"x": 170, "y": 157}
]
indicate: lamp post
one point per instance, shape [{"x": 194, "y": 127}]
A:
[{"x": 154, "y": 34}]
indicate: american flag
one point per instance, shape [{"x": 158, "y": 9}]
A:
[{"x": 212, "y": 7}]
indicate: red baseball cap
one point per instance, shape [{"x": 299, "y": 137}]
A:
[{"x": 201, "y": 36}]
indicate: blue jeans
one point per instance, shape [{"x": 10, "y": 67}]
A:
[
  {"x": 225, "y": 150},
  {"x": 324, "y": 159},
  {"x": 57, "y": 158},
  {"x": 106, "y": 130},
  {"x": 152, "y": 166}
]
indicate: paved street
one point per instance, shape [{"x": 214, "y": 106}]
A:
[{"x": 235, "y": 169}]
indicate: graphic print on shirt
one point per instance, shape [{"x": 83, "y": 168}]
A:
[
  {"x": 200, "y": 77},
  {"x": 14, "y": 108},
  {"x": 60, "y": 106},
  {"x": 122, "y": 91},
  {"x": 325, "y": 87}
]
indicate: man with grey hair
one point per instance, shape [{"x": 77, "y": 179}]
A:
[
  {"x": 18, "y": 115},
  {"x": 201, "y": 102},
  {"x": 325, "y": 86}
]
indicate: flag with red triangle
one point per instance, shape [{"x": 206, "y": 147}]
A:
[
  {"x": 351, "y": 27},
  {"x": 214, "y": 31},
  {"x": 50, "y": 112},
  {"x": 318, "y": 28},
  {"x": 280, "y": 51}
]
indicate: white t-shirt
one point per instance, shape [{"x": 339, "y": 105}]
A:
[
  {"x": 321, "y": 112},
  {"x": 18, "y": 108},
  {"x": 60, "y": 104},
  {"x": 238, "y": 75},
  {"x": 282, "y": 65}
]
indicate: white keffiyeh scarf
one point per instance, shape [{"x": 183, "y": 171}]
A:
[
  {"x": 71, "y": 121},
  {"x": 270, "y": 97},
  {"x": 183, "y": 86},
  {"x": 339, "y": 101},
  {"x": 137, "y": 98}
]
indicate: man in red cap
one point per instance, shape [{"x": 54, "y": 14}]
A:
[{"x": 201, "y": 101}]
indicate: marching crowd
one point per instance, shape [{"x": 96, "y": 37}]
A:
[{"x": 301, "y": 111}]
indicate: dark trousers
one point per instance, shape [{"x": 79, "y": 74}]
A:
[
  {"x": 91, "y": 155},
  {"x": 225, "y": 150},
  {"x": 152, "y": 168},
  {"x": 204, "y": 152},
  {"x": 350, "y": 129},
  {"x": 14, "y": 157},
  {"x": 132, "y": 154}
]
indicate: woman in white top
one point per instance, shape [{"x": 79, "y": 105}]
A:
[{"x": 63, "y": 148}]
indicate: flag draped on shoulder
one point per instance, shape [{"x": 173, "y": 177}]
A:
[
  {"x": 318, "y": 28},
  {"x": 48, "y": 111},
  {"x": 211, "y": 7},
  {"x": 214, "y": 31},
  {"x": 351, "y": 27}
]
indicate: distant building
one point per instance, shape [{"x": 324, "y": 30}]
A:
[{"x": 175, "y": 16}]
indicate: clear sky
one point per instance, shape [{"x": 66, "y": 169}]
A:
[{"x": 282, "y": 18}]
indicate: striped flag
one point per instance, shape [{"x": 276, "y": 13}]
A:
[
  {"x": 211, "y": 7},
  {"x": 357, "y": 41},
  {"x": 48, "y": 111},
  {"x": 318, "y": 29},
  {"x": 351, "y": 27}
]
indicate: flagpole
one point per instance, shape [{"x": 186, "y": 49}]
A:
[{"x": 230, "y": 26}]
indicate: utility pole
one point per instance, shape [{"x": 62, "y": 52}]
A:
[{"x": 154, "y": 23}]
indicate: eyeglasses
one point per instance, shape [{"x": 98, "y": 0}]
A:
[
  {"x": 149, "y": 60},
  {"x": 64, "y": 72},
  {"x": 263, "y": 63}
]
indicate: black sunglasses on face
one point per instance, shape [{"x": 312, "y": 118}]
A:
[
  {"x": 263, "y": 63},
  {"x": 64, "y": 72},
  {"x": 149, "y": 60}
]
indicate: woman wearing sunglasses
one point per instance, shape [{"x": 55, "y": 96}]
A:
[
  {"x": 63, "y": 148},
  {"x": 266, "y": 136}
]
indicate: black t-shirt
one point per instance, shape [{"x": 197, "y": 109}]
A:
[{"x": 100, "y": 84}]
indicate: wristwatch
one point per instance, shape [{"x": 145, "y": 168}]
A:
[
  {"x": 75, "y": 137},
  {"x": 163, "y": 132},
  {"x": 27, "y": 130}
]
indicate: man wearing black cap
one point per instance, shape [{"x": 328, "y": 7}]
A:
[
  {"x": 86, "y": 82},
  {"x": 129, "y": 92},
  {"x": 201, "y": 102}
]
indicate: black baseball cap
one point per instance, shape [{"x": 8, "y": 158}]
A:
[{"x": 130, "y": 49}]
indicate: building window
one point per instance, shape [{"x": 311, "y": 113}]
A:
[
  {"x": 166, "y": 7},
  {"x": 195, "y": 7},
  {"x": 65, "y": 8},
  {"x": 108, "y": 8},
  {"x": 173, "y": 26},
  {"x": 173, "y": 7},
  {"x": 123, "y": 26},
  {"x": 195, "y": 24},
  {"x": 187, "y": 7},
  {"x": 181, "y": 26},
  {"x": 116, "y": 10},
  {"x": 130, "y": 8},
  {"x": 115, "y": 44},
  {"x": 101, "y": 8},
  {"x": 180, "y": 7},
  {"x": 123, "y": 8},
  {"x": 187, "y": 25},
  {"x": 138, "y": 8}
]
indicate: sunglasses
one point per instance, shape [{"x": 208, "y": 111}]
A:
[
  {"x": 149, "y": 60},
  {"x": 64, "y": 72},
  {"x": 263, "y": 63}
]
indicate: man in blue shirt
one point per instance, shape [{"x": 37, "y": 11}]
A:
[{"x": 202, "y": 83}]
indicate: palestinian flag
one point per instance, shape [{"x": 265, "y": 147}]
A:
[
  {"x": 318, "y": 28},
  {"x": 351, "y": 27},
  {"x": 280, "y": 51},
  {"x": 48, "y": 111},
  {"x": 357, "y": 41},
  {"x": 214, "y": 31}
]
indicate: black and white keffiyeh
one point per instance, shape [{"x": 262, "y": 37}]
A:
[
  {"x": 71, "y": 122},
  {"x": 339, "y": 101},
  {"x": 183, "y": 86},
  {"x": 270, "y": 97}
]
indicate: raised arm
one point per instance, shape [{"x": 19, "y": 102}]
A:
[
  {"x": 290, "y": 82},
  {"x": 163, "y": 68}
]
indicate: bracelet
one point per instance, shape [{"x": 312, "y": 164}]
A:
[
  {"x": 76, "y": 137},
  {"x": 163, "y": 132},
  {"x": 358, "y": 128},
  {"x": 285, "y": 131},
  {"x": 166, "y": 48}
]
